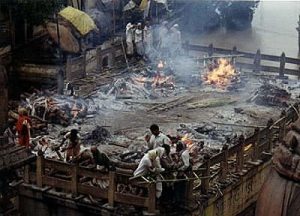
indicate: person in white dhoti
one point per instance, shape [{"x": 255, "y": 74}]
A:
[
  {"x": 129, "y": 38},
  {"x": 148, "y": 39},
  {"x": 138, "y": 40},
  {"x": 175, "y": 40},
  {"x": 150, "y": 163}
]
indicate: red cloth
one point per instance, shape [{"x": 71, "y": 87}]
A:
[{"x": 23, "y": 130}]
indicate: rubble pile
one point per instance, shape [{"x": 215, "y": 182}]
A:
[{"x": 271, "y": 95}]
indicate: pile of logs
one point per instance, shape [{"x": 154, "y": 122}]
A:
[{"x": 270, "y": 95}]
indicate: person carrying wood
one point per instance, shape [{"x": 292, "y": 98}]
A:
[
  {"x": 157, "y": 139},
  {"x": 150, "y": 164},
  {"x": 23, "y": 128},
  {"x": 73, "y": 146}
]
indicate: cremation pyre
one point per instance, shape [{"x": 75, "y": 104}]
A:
[{"x": 221, "y": 73}]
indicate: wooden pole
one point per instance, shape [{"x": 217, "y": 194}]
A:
[
  {"x": 240, "y": 154},
  {"x": 39, "y": 170},
  {"x": 256, "y": 144},
  {"x": 205, "y": 182},
  {"x": 114, "y": 18},
  {"x": 282, "y": 66},
  {"x": 74, "y": 181},
  {"x": 210, "y": 50},
  {"x": 151, "y": 198},
  {"x": 298, "y": 29},
  {"x": 224, "y": 163},
  {"x": 257, "y": 61}
]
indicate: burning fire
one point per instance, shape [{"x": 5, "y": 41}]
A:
[
  {"x": 186, "y": 140},
  {"x": 162, "y": 81},
  {"x": 220, "y": 73}
]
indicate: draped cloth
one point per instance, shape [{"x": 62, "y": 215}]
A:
[
  {"x": 23, "y": 129},
  {"x": 280, "y": 194}
]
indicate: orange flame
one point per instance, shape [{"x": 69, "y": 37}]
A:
[
  {"x": 221, "y": 74},
  {"x": 186, "y": 140},
  {"x": 160, "y": 81}
]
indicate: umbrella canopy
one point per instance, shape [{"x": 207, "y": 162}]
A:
[
  {"x": 80, "y": 20},
  {"x": 68, "y": 42}
]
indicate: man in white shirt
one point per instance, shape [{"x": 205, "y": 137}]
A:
[
  {"x": 138, "y": 40},
  {"x": 157, "y": 138},
  {"x": 129, "y": 38}
]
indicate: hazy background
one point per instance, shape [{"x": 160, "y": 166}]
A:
[{"x": 273, "y": 31}]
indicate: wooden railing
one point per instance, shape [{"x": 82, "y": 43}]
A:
[
  {"x": 247, "y": 150},
  {"x": 258, "y": 62},
  {"x": 68, "y": 177}
]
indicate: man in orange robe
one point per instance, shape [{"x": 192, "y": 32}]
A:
[{"x": 23, "y": 128}]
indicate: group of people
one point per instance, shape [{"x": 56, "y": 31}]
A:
[
  {"x": 144, "y": 40},
  {"x": 162, "y": 158}
]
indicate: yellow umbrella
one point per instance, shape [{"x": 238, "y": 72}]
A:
[{"x": 80, "y": 20}]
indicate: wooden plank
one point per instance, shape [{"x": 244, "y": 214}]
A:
[
  {"x": 131, "y": 199},
  {"x": 57, "y": 165},
  {"x": 92, "y": 190},
  {"x": 92, "y": 173},
  {"x": 74, "y": 181},
  {"x": 58, "y": 183}
]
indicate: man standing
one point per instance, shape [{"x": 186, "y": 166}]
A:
[
  {"x": 23, "y": 128},
  {"x": 164, "y": 38},
  {"x": 73, "y": 146},
  {"x": 138, "y": 39},
  {"x": 175, "y": 40},
  {"x": 148, "y": 39},
  {"x": 157, "y": 139},
  {"x": 129, "y": 39}
]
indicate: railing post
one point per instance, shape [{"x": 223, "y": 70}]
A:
[
  {"x": 240, "y": 154},
  {"x": 39, "y": 170},
  {"x": 151, "y": 198},
  {"x": 187, "y": 47},
  {"x": 233, "y": 52},
  {"x": 282, "y": 66},
  {"x": 256, "y": 144},
  {"x": 298, "y": 29},
  {"x": 26, "y": 174},
  {"x": 224, "y": 163},
  {"x": 282, "y": 126},
  {"x": 205, "y": 182},
  {"x": 270, "y": 135},
  {"x": 74, "y": 181},
  {"x": 111, "y": 188},
  {"x": 210, "y": 51},
  {"x": 257, "y": 61}
]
